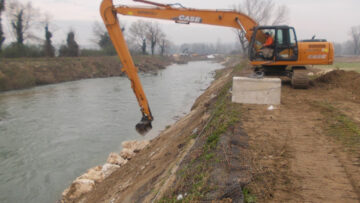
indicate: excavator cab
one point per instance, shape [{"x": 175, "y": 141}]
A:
[{"x": 283, "y": 48}]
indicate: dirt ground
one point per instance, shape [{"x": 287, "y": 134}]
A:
[
  {"x": 147, "y": 176},
  {"x": 305, "y": 150},
  {"x": 294, "y": 158}
]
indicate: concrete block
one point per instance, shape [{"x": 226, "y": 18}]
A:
[{"x": 256, "y": 90}]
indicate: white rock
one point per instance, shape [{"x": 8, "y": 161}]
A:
[
  {"x": 141, "y": 145},
  {"x": 115, "y": 158},
  {"x": 135, "y": 146},
  {"x": 180, "y": 197},
  {"x": 151, "y": 154},
  {"x": 127, "y": 153},
  {"x": 94, "y": 174},
  {"x": 108, "y": 169},
  {"x": 78, "y": 188},
  {"x": 128, "y": 144},
  {"x": 195, "y": 131}
]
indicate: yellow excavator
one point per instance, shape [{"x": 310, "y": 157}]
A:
[{"x": 284, "y": 51}]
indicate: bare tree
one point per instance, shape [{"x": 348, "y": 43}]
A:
[
  {"x": 164, "y": 44},
  {"x": 102, "y": 39},
  {"x": 153, "y": 34},
  {"x": 2, "y": 37},
  {"x": 264, "y": 12},
  {"x": 338, "y": 48},
  {"x": 138, "y": 32},
  {"x": 355, "y": 37},
  {"x": 23, "y": 19}
]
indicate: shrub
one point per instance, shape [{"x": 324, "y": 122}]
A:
[{"x": 16, "y": 50}]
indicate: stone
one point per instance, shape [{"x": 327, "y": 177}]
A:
[
  {"x": 127, "y": 144},
  {"x": 135, "y": 146},
  {"x": 94, "y": 174},
  {"x": 256, "y": 90},
  {"x": 108, "y": 169},
  {"x": 116, "y": 159},
  {"x": 179, "y": 197},
  {"x": 127, "y": 153},
  {"x": 140, "y": 145},
  {"x": 78, "y": 188}
]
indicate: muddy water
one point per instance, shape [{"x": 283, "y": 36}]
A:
[{"x": 49, "y": 135}]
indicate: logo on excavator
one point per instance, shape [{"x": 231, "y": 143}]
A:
[{"x": 188, "y": 19}]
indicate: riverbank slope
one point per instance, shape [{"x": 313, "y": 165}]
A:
[
  {"x": 28, "y": 72},
  {"x": 235, "y": 152}
]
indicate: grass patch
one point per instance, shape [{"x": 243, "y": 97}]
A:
[
  {"x": 354, "y": 66},
  {"x": 341, "y": 127},
  {"x": 248, "y": 197},
  {"x": 194, "y": 177}
]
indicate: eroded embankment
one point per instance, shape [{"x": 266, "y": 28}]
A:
[
  {"x": 150, "y": 174},
  {"x": 28, "y": 72},
  {"x": 304, "y": 150}
]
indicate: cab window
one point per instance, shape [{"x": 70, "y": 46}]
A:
[
  {"x": 292, "y": 37},
  {"x": 279, "y": 36}
]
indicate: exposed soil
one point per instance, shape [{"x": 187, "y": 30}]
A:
[
  {"x": 153, "y": 170},
  {"x": 305, "y": 150},
  {"x": 294, "y": 158}
]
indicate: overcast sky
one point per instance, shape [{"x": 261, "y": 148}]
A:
[{"x": 330, "y": 19}]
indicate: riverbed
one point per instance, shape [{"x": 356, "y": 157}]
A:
[{"x": 51, "y": 134}]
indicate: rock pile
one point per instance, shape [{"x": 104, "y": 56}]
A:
[{"x": 86, "y": 182}]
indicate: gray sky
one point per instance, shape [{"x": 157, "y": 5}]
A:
[{"x": 330, "y": 19}]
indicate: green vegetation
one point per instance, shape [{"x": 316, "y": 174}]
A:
[
  {"x": 354, "y": 66},
  {"x": 195, "y": 177},
  {"x": 16, "y": 50},
  {"x": 71, "y": 48},
  {"x": 341, "y": 127},
  {"x": 248, "y": 197}
]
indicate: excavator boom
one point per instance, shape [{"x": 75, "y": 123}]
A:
[
  {"x": 186, "y": 16},
  {"x": 285, "y": 50},
  {"x": 166, "y": 12},
  {"x": 118, "y": 40}
]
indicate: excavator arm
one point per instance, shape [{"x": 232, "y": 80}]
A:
[{"x": 166, "y": 12}]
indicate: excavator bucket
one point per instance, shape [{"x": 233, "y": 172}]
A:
[{"x": 143, "y": 126}]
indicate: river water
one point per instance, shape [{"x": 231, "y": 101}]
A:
[{"x": 51, "y": 134}]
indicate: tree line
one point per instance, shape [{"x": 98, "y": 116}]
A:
[
  {"x": 351, "y": 46},
  {"x": 23, "y": 18},
  {"x": 143, "y": 37}
]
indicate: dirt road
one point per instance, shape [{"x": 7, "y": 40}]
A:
[{"x": 303, "y": 151}]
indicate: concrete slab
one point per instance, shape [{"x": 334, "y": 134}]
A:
[{"x": 256, "y": 90}]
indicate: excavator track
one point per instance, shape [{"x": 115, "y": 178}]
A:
[{"x": 300, "y": 79}]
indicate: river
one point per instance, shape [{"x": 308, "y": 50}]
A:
[{"x": 51, "y": 134}]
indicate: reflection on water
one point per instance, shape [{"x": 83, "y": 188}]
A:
[{"x": 51, "y": 134}]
